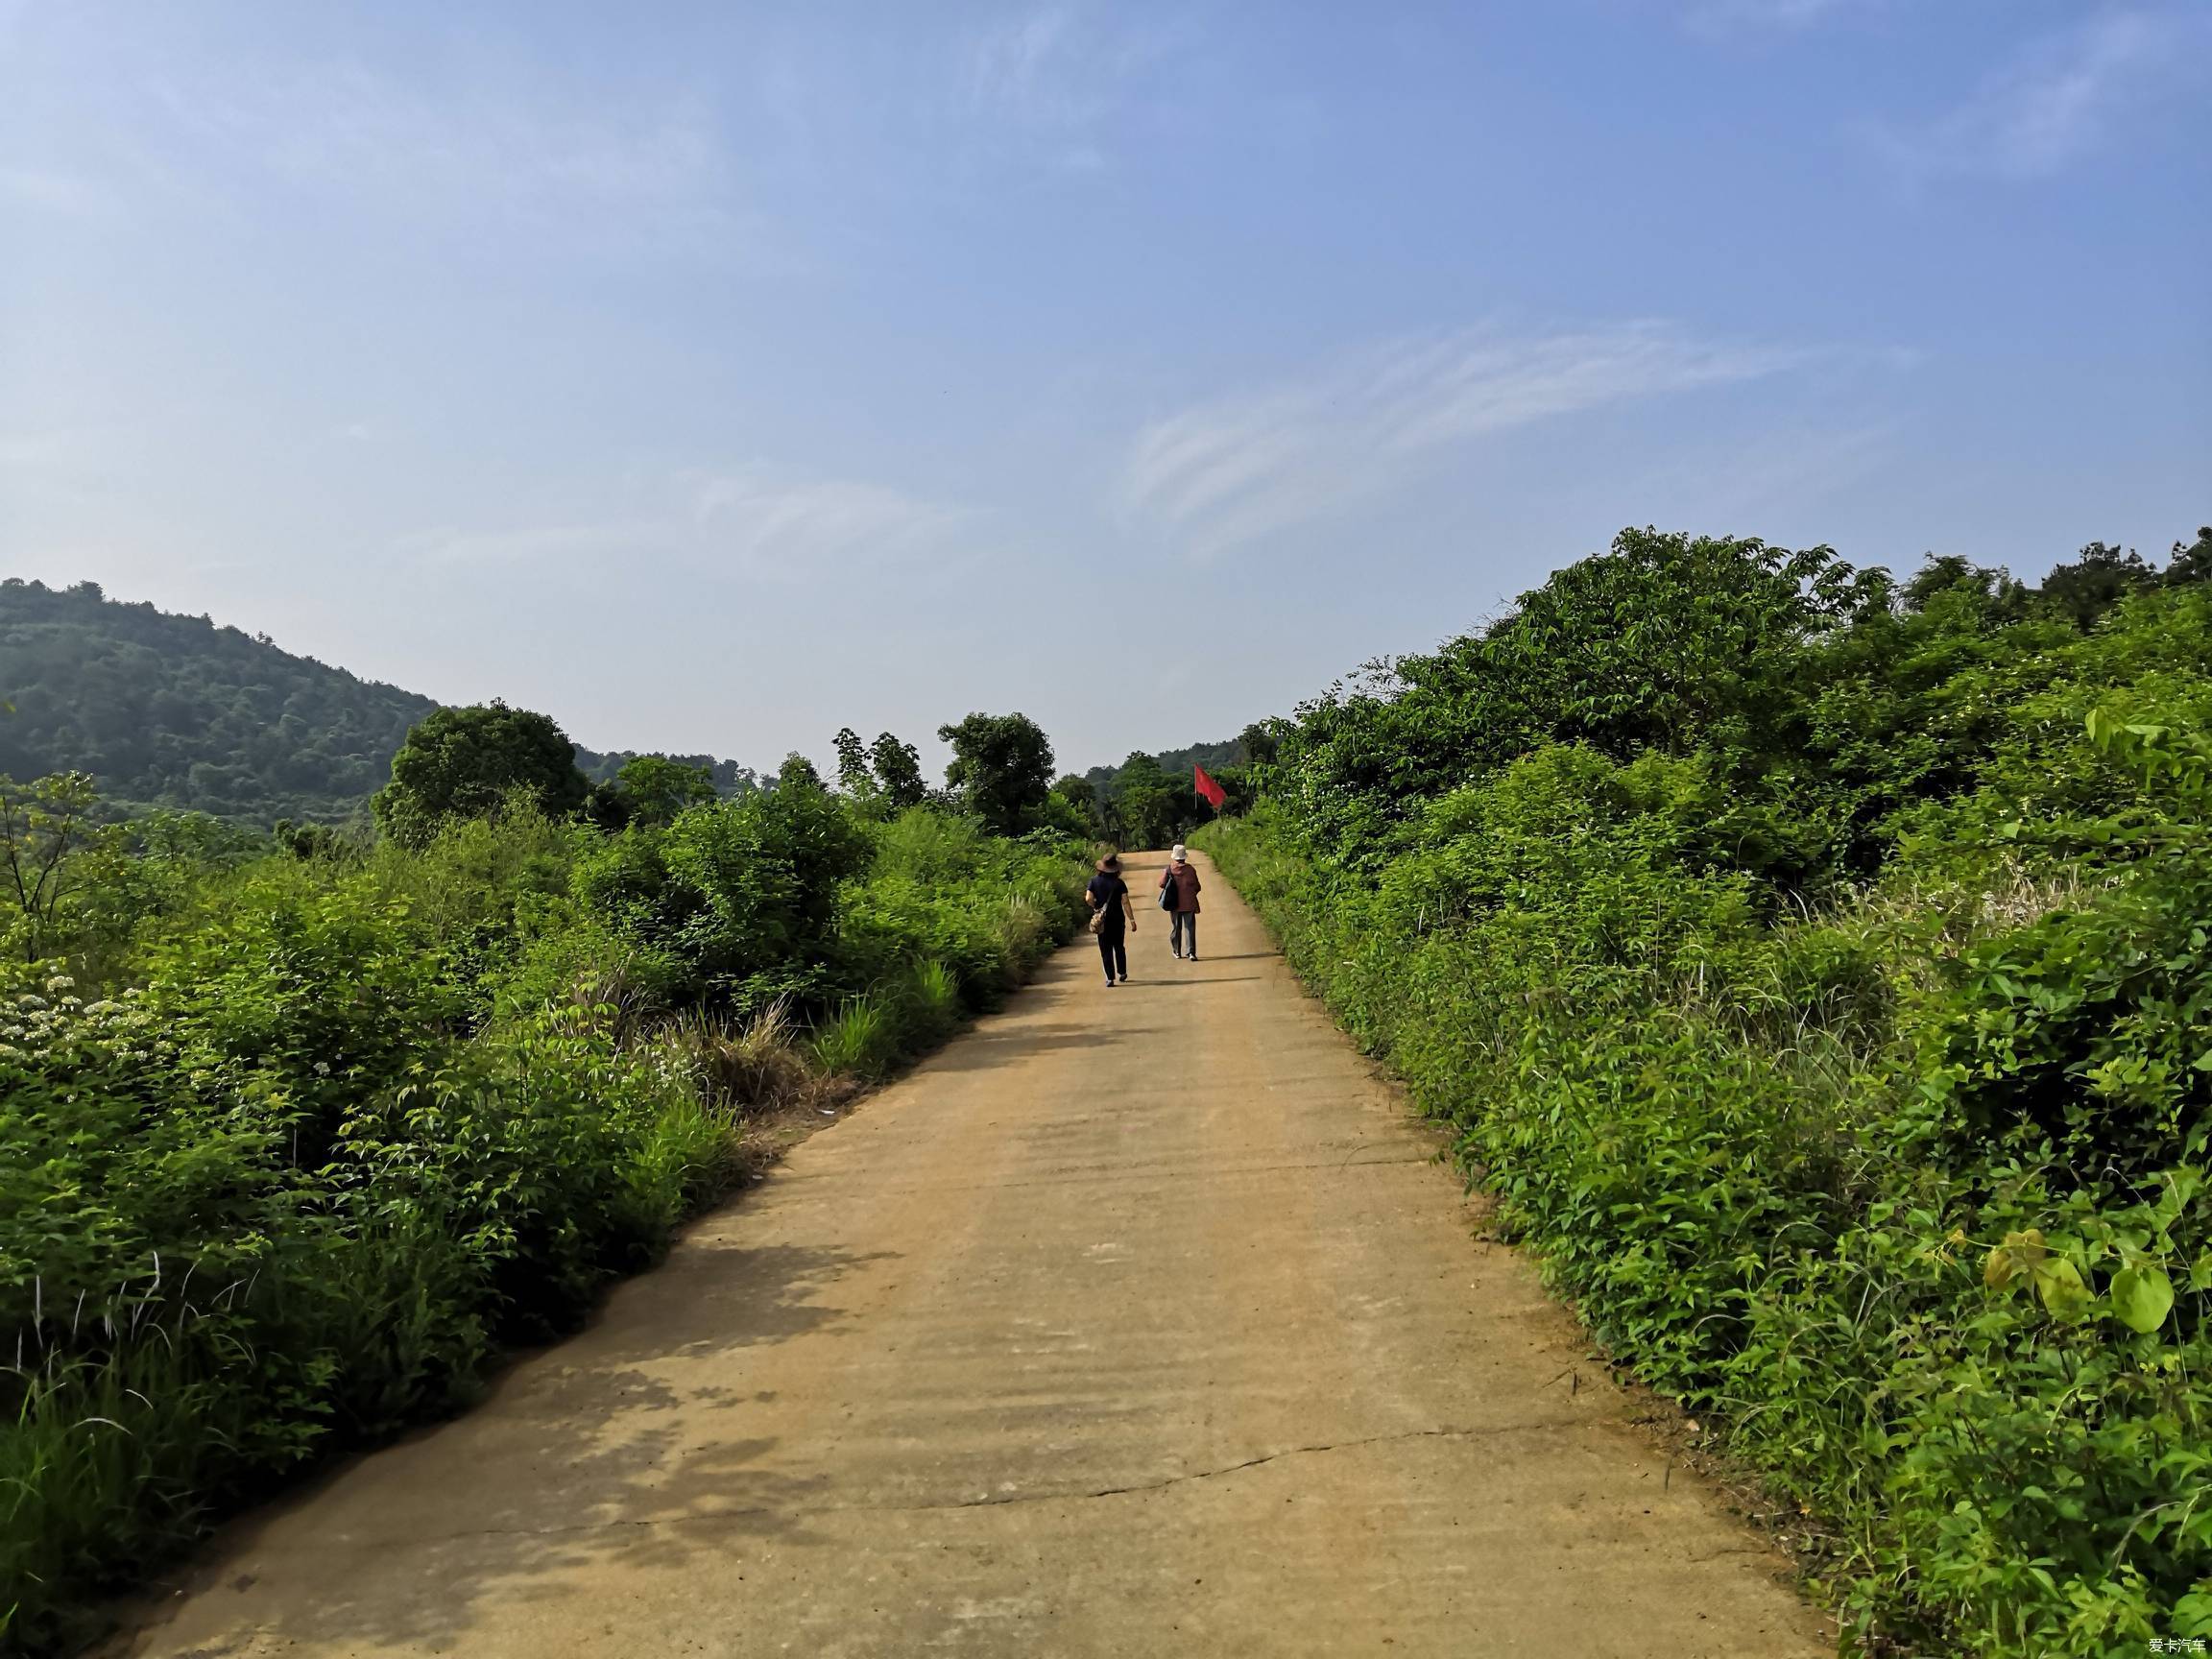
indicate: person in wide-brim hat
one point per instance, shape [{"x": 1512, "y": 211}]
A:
[{"x": 1111, "y": 916}]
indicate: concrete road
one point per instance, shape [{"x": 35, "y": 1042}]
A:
[{"x": 1135, "y": 1322}]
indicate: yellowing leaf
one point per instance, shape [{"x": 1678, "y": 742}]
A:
[
  {"x": 2058, "y": 1282},
  {"x": 2017, "y": 1254}
]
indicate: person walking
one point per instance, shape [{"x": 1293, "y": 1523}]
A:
[
  {"x": 1179, "y": 897},
  {"x": 1111, "y": 915}
]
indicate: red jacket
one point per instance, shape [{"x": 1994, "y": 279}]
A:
[{"x": 1185, "y": 879}]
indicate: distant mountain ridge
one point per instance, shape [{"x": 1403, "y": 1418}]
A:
[{"x": 181, "y": 712}]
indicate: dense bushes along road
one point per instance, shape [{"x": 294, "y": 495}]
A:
[
  {"x": 1819, "y": 972},
  {"x": 292, "y": 1140}
]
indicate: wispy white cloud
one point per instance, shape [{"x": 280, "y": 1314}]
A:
[
  {"x": 1029, "y": 64},
  {"x": 166, "y": 127},
  {"x": 1230, "y": 471},
  {"x": 345, "y": 127},
  {"x": 2059, "y": 97},
  {"x": 56, "y": 190},
  {"x": 1734, "y": 16},
  {"x": 532, "y": 543},
  {"x": 1049, "y": 75},
  {"x": 1737, "y": 482},
  {"x": 771, "y": 523},
  {"x": 758, "y": 522}
]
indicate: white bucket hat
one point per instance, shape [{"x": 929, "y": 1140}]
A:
[{"x": 1181, "y": 856}]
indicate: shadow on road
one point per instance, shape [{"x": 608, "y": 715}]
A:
[
  {"x": 616, "y": 1433},
  {"x": 1181, "y": 978},
  {"x": 988, "y": 1051}
]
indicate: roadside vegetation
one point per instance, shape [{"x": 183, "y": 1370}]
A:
[
  {"x": 297, "y": 1134},
  {"x": 1816, "y": 966}
]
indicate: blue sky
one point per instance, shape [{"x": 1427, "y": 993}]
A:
[{"x": 712, "y": 377}]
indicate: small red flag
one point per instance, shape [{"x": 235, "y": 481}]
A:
[{"x": 1206, "y": 786}]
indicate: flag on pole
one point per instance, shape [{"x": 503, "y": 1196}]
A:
[{"x": 1214, "y": 795}]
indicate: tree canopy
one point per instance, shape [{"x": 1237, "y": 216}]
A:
[
  {"x": 463, "y": 762},
  {"x": 1002, "y": 769}
]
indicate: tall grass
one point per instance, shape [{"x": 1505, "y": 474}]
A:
[{"x": 860, "y": 1038}]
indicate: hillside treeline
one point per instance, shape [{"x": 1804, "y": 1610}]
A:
[
  {"x": 1815, "y": 967},
  {"x": 179, "y": 714},
  {"x": 297, "y": 1133},
  {"x": 1149, "y": 801}
]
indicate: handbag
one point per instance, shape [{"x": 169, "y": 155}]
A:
[{"x": 1168, "y": 888}]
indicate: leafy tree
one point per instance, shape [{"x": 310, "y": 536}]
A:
[
  {"x": 1002, "y": 769},
  {"x": 2000, "y": 593},
  {"x": 741, "y": 894},
  {"x": 658, "y": 788},
  {"x": 1664, "y": 640},
  {"x": 1073, "y": 809},
  {"x": 2093, "y": 584},
  {"x": 42, "y": 825},
  {"x": 797, "y": 772},
  {"x": 727, "y": 776},
  {"x": 853, "y": 774},
  {"x": 1176, "y": 763},
  {"x": 464, "y": 762},
  {"x": 1257, "y": 743},
  {"x": 309, "y": 841},
  {"x": 1077, "y": 791},
  {"x": 2193, "y": 563},
  {"x": 1149, "y": 806},
  {"x": 899, "y": 772}
]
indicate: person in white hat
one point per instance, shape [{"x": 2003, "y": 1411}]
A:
[{"x": 1179, "y": 897}]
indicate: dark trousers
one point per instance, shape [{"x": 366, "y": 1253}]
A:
[
  {"x": 1113, "y": 951},
  {"x": 1182, "y": 926}
]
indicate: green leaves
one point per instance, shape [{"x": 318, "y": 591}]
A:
[
  {"x": 2142, "y": 1296},
  {"x": 2024, "y": 1258}
]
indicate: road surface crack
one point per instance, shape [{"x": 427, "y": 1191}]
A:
[
  {"x": 711, "y": 1517},
  {"x": 1256, "y": 1463}
]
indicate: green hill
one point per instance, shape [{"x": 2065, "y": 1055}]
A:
[{"x": 181, "y": 712}]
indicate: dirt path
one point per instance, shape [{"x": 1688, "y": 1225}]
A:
[{"x": 1135, "y": 1322}]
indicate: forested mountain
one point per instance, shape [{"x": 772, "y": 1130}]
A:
[{"x": 178, "y": 711}]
